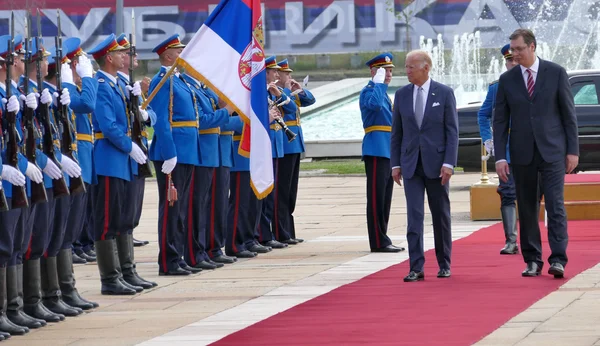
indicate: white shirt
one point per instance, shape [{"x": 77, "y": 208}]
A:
[
  {"x": 425, "y": 92},
  {"x": 176, "y": 72},
  {"x": 124, "y": 75},
  {"x": 109, "y": 76},
  {"x": 534, "y": 72}
]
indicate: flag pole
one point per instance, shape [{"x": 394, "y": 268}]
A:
[{"x": 160, "y": 84}]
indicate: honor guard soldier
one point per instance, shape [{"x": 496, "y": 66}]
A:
[
  {"x": 376, "y": 111},
  {"x": 268, "y": 228},
  {"x": 58, "y": 255},
  {"x": 83, "y": 101},
  {"x": 35, "y": 266},
  {"x": 289, "y": 164},
  {"x": 210, "y": 121},
  {"x": 175, "y": 151},
  {"x": 113, "y": 152},
  {"x": 506, "y": 190},
  {"x": 83, "y": 91},
  {"x": 217, "y": 204},
  {"x": 134, "y": 190},
  {"x": 12, "y": 318}
]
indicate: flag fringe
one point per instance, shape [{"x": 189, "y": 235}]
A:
[{"x": 261, "y": 195}]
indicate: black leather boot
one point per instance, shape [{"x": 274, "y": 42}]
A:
[
  {"x": 14, "y": 310},
  {"x": 509, "y": 222},
  {"x": 32, "y": 292},
  {"x": 6, "y": 325},
  {"x": 126, "y": 258},
  {"x": 67, "y": 282},
  {"x": 108, "y": 265},
  {"x": 137, "y": 288},
  {"x": 51, "y": 289}
]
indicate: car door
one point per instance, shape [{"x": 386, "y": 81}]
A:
[{"x": 586, "y": 96}]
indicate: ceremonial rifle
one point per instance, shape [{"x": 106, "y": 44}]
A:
[
  {"x": 38, "y": 190},
  {"x": 76, "y": 184},
  {"x": 19, "y": 193},
  {"x": 134, "y": 108},
  {"x": 59, "y": 186}
]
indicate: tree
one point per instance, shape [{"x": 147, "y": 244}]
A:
[{"x": 406, "y": 15}]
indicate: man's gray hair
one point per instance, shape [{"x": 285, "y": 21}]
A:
[{"x": 421, "y": 55}]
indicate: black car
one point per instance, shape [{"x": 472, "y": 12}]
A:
[{"x": 585, "y": 86}]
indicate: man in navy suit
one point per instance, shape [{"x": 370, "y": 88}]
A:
[{"x": 424, "y": 148}]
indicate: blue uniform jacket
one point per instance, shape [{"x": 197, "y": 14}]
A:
[
  {"x": 22, "y": 160},
  {"x": 83, "y": 101},
  {"x": 275, "y": 132},
  {"x": 240, "y": 163},
  {"x": 226, "y": 134},
  {"x": 211, "y": 119},
  {"x": 123, "y": 82},
  {"x": 109, "y": 120},
  {"x": 174, "y": 104},
  {"x": 376, "y": 112},
  {"x": 484, "y": 116},
  {"x": 292, "y": 121}
]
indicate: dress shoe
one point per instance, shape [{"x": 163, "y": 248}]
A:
[
  {"x": 216, "y": 264},
  {"x": 510, "y": 249},
  {"x": 259, "y": 248},
  {"x": 90, "y": 253},
  {"x": 245, "y": 254},
  {"x": 533, "y": 269},
  {"x": 204, "y": 265},
  {"x": 86, "y": 257},
  {"x": 444, "y": 273},
  {"x": 274, "y": 244},
  {"x": 299, "y": 240},
  {"x": 177, "y": 271},
  {"x": 78, "y": 260},
  {"x": 414, "y": 276},
  {"x": 389, "y": 248},
  {"x": 289, "y": 241},
  {"x": 224, "y": 259},
  {"x": 557, "y": 269},
  {"x": 191, "y": 269},
  {"x": 138, "y": 243}
]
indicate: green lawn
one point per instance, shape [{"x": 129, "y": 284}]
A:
[{"x": 335, "y": 166}]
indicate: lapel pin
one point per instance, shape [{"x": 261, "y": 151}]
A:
[{"x": 432, "y": 94}]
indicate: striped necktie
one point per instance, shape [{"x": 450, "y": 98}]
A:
[{"x": 530, "y": 83}]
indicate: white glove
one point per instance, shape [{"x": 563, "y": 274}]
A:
[
  {"x": 31, "y": 101},
  {"x": 12, "y": 105},
  {"x": 65, "y": 97},
  {"x": 66, "y": 74},
  {"x": 379, "y": 76},
  {"x": 52, "y": 170},
  {"x": 169, "y": 165},
  {"x": 34, "y": 173},
  {"x": 144, "y": 114},
  {"x": 136, "y": 90},
  {"x": 46, "y": 98},
  {"x": 137, "y": 154},
  {"x": 12, "y": 175},
  {"x": 70, "y": 167},
  {"x": 84, "y": 67},
  {"x": 489, "y": 147}
]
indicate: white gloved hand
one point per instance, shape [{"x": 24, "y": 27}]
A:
[
  {"x": 66, "y": 74},
  {"x": 136, "y": 90},
  {"x": 379, "y": 77},
  {"x": 169, "y": 165},
  {"x": 489, "y": 147},
  {"x": 31, "y": 101},
  {"x": 65, "y": 97},
  {"x": 52, "y": 170},
  {"x": 34, "y": 173},
  {"x": 137, "y": 154},
  {"x": 12, "y": 105},
  {"x": 144, "y": 114},
  {"x": 70, "y": 167},
  {"x": 12, "y": 175},
  {"x": 84, "y": 67},
  {"x": 46, "y": 98}
]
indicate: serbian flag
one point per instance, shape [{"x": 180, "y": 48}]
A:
[{"x": 227, "y": 55}]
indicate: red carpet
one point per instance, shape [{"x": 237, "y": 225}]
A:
[
  {"x": 582, "y": 178},
  {"x": 485, "y": 291}
]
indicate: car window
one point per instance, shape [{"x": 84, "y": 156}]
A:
[{"x": 585, "y": 93}]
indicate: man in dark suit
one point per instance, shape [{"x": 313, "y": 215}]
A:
[
  {"x": 424, "y": 149},
  {"x": 535, "y": 103}
]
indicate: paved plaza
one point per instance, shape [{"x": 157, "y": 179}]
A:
[{"x": 330, "y": 216}]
